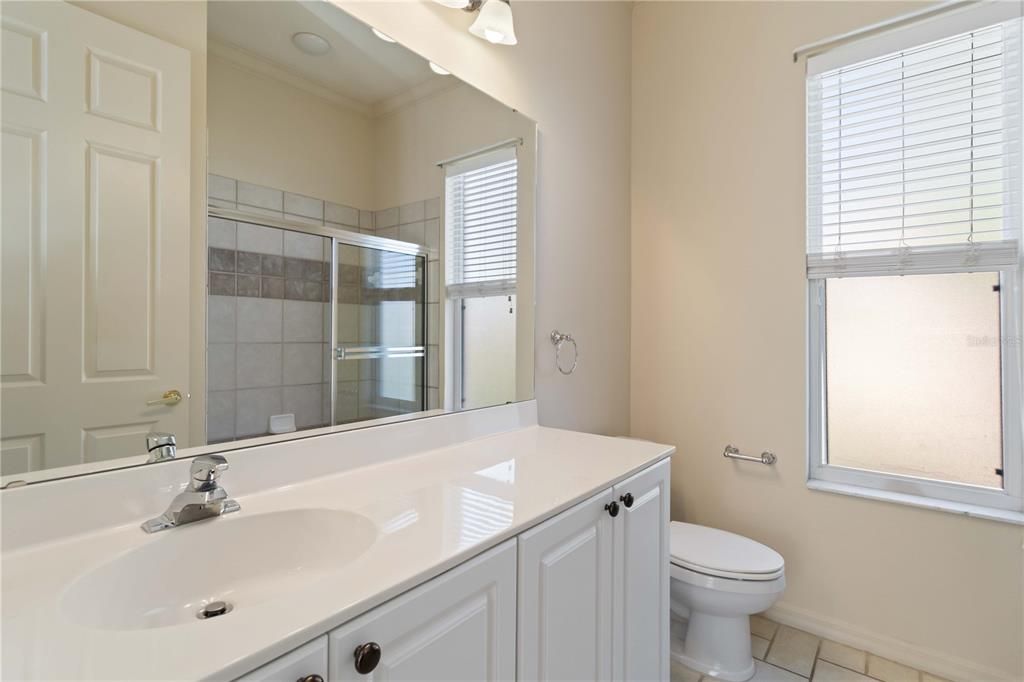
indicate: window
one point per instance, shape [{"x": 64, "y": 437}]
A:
[
  {"x": 913, "y": 264},
  {"x": 481, "y": 234}
]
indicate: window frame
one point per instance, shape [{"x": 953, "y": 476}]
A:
[{"x": 932, "y": 493}]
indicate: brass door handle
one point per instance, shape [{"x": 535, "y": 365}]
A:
[{"x": 171, "y": 397}]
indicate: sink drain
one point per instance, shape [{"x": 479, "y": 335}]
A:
[{"x": 214, "y": 609}]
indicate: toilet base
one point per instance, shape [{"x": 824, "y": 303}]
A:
[{"x": 718, "y": 646}]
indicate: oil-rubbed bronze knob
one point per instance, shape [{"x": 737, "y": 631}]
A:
[
  {"x": 367, "y": 657},
  {"x": 613, "y": 508},
  {"x": 627, "y": 500},
  {"x": 310, "y": 678}
]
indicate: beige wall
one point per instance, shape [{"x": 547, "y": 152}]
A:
[
  {"x": 271, "y": 133},
  {"x": 569, "y": 73},
  {"x": 718, "y": 325}
]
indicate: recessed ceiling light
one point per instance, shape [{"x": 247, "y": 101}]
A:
[
  {"x": 438, "y": 70},
  {"x": 311, "y": 43},
  {"x": 384, "y": 36}
]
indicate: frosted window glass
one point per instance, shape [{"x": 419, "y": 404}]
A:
[{"x": 913, "y": 376}]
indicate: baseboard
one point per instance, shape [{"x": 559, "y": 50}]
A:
[{"x": 930, "y": 660}]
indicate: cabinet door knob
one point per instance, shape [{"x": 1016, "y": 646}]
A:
[
  {"x": 627, "y": 500},
  {"x": 367, "y": 657},
  {"x": 310, "y": 678},
  {"x": 613, "y": 508}
]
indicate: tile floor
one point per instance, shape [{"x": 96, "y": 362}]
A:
[{"x": 785, "y": 654}]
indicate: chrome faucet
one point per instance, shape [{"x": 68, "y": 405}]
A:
[
  {"x": 160, "y": 446},
  {"x": 203, "y": 499}
]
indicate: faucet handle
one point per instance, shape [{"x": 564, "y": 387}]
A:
[{"x": 206, "y": 469}]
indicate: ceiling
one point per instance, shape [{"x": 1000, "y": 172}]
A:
[{"x": 359, "y": 66}]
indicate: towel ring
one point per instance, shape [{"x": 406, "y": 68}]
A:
[{"x": 559, "y": 339}]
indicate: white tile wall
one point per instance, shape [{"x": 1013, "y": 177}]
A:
[
  {"x": 220, "y": 366},
  {"x": 432, "y": 208},
  {"x": 221, "y": 234},
  {"x": 260, "y": 197},
  {"x": 343, "y": 215},
  {"x": 413, "y": 232},
  {"x": 259, "y": 239},
  {"x": 385, "y": 218},
  {"x": 219, "y": 187},
  {"x": 220, "y": 327},
  {"x": 411, "y": 213},
  {"x": 253, "y": 410},
  {"x": 303, "y": 363},
  {"x": 300, "y": 245},
  {"x": 366, "y": 220},
  {"x": 307, "y": 207},
  {"x": 220, "y": 421},
  {"x": 305, "y": 402},
  {"x": 259, "y": 320},
  {"x": 303, "y": 321},
  {"x": 258, "y": 365}
]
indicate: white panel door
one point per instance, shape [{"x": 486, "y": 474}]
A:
[
  {"x": 565, "y": 595},
  {"x": 459, "y": 626},
  {"x": 641, "y": 608},
  {"x": 308, "y": 660},
  {"x": 95, "y": 213}
]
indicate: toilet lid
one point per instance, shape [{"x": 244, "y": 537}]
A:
[{"x": 721, "y": 553}]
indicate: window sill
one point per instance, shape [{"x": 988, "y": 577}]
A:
[{"x": 972, "y": 510}]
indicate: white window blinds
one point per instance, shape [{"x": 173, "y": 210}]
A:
[
  {"x": 481, "y": 202},
  {"x": 914, "y": 159}
]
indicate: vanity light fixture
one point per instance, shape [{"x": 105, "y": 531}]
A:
[
  {"x": 438, "y": 70},
  {"x": 311, "y": 43},
  {"x": 383, "y": 36},
  {"x": 495, "y": 23}
]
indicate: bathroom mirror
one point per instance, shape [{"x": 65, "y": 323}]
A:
[{"x": 240, "y": 222}]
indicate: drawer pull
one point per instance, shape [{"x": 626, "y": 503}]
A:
[
  {"x": 367, "y": 657},
  {"x": 612, "y": 508},
  {"x": 310, "y": 678},
  {"x": 627, "y": 500}
]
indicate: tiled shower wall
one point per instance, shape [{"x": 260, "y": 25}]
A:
[{"x": 269, "y": 317}]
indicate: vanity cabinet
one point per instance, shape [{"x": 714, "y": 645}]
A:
[
  {"x": 593, "y": 587},
  {"x": 307, "y": 662},
  {"x": 459, "y": 626},
  {"x": 582, "y": 596}
]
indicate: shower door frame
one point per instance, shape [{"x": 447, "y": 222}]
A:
[{"x": 348, "y": 237}]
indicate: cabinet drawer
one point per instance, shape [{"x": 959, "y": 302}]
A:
[
  {"x": 309, "y": 659},
  {"x": 459, "y": 626}
]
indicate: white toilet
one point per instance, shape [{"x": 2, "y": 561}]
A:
[{"x": 718, "y": 580}]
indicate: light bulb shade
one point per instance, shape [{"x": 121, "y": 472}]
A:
[
  {"x": 494, "y": 24},
  {"x": 454, "y": 4}
]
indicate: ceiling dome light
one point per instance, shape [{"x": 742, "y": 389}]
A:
[
  {"x": 383, "y": 36},
  {"x": 495, "y": 23},
  {"x": 438, "y": 70},
  {"x": 311, "y": 43}
]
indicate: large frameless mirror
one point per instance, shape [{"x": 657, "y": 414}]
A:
[{"x": 228, "y": 223}]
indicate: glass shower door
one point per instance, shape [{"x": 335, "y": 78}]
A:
[{"x": 379, "y": 334}]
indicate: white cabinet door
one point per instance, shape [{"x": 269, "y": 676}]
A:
[
  {"x": 303, "y": 663},
  {"x": 565, "y": 595},
  {"x": 641, "y": 624},
  {"x": 459, "y": 626},
  {"x": 95, "y": 216}
]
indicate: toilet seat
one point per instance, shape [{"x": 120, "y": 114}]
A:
[{"x": 721, "y": 554}]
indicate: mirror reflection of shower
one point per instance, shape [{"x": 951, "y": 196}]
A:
[{"x": 307, "y": 330}]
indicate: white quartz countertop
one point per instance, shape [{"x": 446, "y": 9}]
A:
[{"x": 431, "y": 510}]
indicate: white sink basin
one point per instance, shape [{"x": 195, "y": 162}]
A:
[{"x": 239, "y": 559}]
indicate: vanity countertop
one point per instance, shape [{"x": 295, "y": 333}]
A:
[{"x": 431, "y": 510}]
